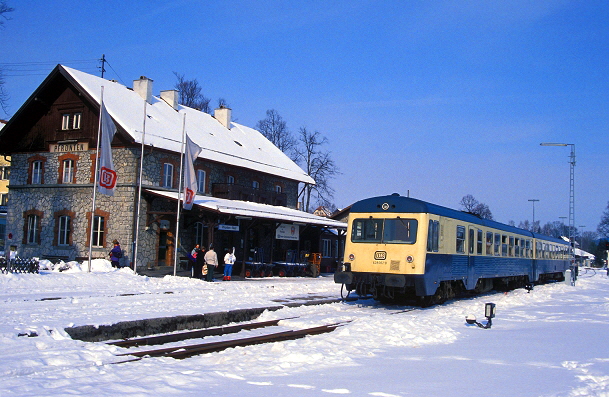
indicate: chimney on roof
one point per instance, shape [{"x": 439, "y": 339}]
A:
[
  {"x": 143, "y": 86},
  {"x": 222, "y": 114},
  {"x": 171, "y": 97}
]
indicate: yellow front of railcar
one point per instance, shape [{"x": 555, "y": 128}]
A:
[{"x": 386, "y": 243}]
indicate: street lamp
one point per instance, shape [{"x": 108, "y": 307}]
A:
[
  {"x": 533, "y": 200},
  {"x": 571, "y": 200}
]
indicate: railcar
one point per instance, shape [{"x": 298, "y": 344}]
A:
[{"x": 403, "y": 248}]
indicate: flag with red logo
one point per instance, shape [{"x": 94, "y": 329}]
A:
[
  {"x": 190, "y": 178},
  {"x": 107, "y": 173}
]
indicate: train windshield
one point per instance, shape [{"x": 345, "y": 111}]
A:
[{"x": 386, "y": 231}]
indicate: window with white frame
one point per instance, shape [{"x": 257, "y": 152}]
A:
[
  {"x": 168, "y": 175},
  {"x": 230, "y": 179},
  {"x": 76, "y": 121},
  {"x": 5, "y": 173},
  {"x": 201, "y": 181},
  {"x": 199, "y": 233},
  {"x": 65, "y": 121},
  {"x": 98, "y": 231},
  {"x": 37, "y": 172},
  {"x": 68, "y": 171},
  {"x": 63, "y": 231},
  {"x": 278, "y": 188},
  {"x": 326, "y": 251},
  {"x": 33, "y": 229}
]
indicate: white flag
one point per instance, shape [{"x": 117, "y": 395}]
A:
[
  {"x": 190, "y": 179},
  {"x": 107, "y": 173}
]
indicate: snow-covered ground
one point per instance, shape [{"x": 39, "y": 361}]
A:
[{"x": 549, "y": 342}]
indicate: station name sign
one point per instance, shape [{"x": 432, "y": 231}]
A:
[
  {"x": 228, "y": 228},
  {"x": 69, "y": 147}
]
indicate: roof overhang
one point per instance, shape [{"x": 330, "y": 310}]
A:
[{"x": 254, "y": 210}]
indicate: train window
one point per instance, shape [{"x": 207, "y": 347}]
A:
[
  {"x": 528, "y": 248},
  {"x": 432, "y": 236},
  {"x": 461, "y": 239},
  {"x": 388, "y": 231},
  {"x": 504, "y": 246},
  {"x": 367, "y": 230},
  {"x": 479, "y": 242},
  {"x": 545, "y": 251},
  {"x": 517, "y": 247},
  {"x": 489, "y": 243},
  {"x": 511, "y": 246},
  {"x": 471, "y": 241},
  {"x": 397, "y": 231},
  {"x": 497, "y": 244}
]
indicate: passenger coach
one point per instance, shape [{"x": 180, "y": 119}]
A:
[{"x": 400, "y": 247}]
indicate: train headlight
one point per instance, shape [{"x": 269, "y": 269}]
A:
[
  {"x": 351, "y": 257},
  {"x": 409, "y": 259}
]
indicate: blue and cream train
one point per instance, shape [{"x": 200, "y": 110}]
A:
[{"x": 400, "y": 247}]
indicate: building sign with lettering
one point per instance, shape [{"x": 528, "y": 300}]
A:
[
  {"x": 69, "y": 147},
  {"x": 228, "y": 228},
  {"x": 287, "y": 231}
]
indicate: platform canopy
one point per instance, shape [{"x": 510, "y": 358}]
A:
[{"x": 254, "y": 210}]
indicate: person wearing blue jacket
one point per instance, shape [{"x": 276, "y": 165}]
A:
[{"x": 116, "y": 254}]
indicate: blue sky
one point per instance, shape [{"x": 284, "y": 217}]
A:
[{"x": 436, "y": 98}]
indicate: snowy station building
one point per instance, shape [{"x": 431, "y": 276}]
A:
[{"x": 247, "y": 189}]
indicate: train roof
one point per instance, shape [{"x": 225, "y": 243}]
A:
[{"x": 395, "y": 203}]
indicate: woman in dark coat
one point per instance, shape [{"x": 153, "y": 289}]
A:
[{"x": 199, "y": 262}]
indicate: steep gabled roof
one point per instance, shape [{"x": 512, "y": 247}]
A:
[{"x": 240, "y": 145}]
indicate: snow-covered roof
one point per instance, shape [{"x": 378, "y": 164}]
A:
[
  {"x": 240, "y": 146},
  {"x": 254, "y": 210}
]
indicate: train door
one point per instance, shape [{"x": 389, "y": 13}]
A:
[{"x": 471, "y": 257}]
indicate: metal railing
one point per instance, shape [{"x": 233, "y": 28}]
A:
[{"x": 19, "y": 265}]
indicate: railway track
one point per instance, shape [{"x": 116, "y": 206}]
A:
[{"x": 181, "y": 352}]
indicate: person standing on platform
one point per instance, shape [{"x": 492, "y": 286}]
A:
[
  {"x": 211, "y": 260},
  {"x": 229, "y": 261},
  {"x": 116, "y": 253},
  {"x": 197, "y": 267}
]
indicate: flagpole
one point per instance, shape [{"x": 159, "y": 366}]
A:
[
  {"x": 139, "y": 194},
  {"x": 101, "y": 104},
  {"x": 175, "y": 257}
]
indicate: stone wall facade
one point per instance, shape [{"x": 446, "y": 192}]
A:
[{"x": 52, "y": 198}]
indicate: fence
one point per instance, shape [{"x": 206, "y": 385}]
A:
[{"x": 19, "y": 265}]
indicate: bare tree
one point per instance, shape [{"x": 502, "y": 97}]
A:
[
  {"x": 4, "y": 9},
  {"x": 275, "y": 129},
  {"x": 191, "y": 94},
  {"x": 603, "y": 226},
  {"x": 473, "y": 206},
  {"x": 223, "y": 103},
  {"x": 318, "y": 164}
]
